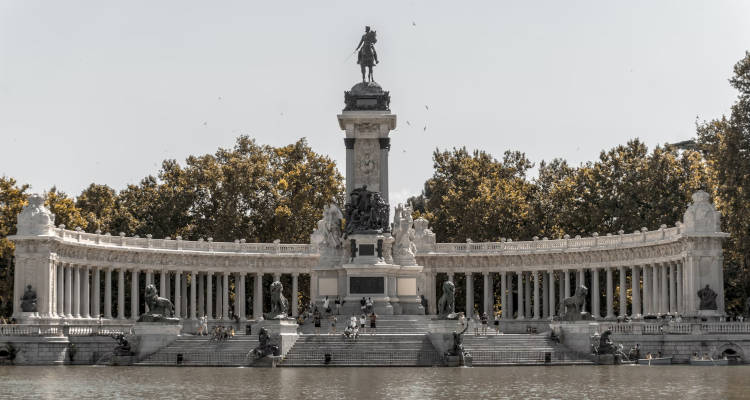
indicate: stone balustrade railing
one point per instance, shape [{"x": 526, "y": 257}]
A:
[
  {"x": 65, "y": 330},
  {"x": 676, "y": 328},
  {"x": 182, "y": 245},
  {"x": 610, "y": 241},
  {"x": 595, "y": 242}
]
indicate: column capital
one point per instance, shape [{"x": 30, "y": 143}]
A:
[
  {"x": 295, "y": 274},
  {"x": 468, "y": 273}
]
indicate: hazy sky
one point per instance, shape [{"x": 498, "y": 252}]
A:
[{"x": 103, "y": 91}]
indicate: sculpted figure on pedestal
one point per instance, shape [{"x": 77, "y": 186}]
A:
[
  {"x": 572, "y": 308},
  {"x": 160, "y": 309},
  {"x": 366, "y": 211},
  {"x": 404, "y": 248},
  {"x": 265, "y": 347},
  {"x": 447, "y": 302},
  {"x": 35, "y": 218},
  {"x": 279, "y": 304},
  {"x": 28, "y": 300},
  {"x": 708, "y": 299},
  {"x": 367, "y": 57},
  {"x": 327, "y": 236}
]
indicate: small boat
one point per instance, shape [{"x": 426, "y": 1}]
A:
[
  {"x": 709, "y": 362},
  {"x": 655, "y": 361}
]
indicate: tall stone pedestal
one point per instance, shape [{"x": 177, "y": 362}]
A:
[
  {"x": 152, "y": 336},
  {"x": 283, "y": 332}
]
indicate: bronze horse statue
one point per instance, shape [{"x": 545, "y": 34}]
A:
[{"x": 367, "y": 56}]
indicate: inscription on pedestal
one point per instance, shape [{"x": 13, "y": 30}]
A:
[
  {"x": 366, "y": 249},
  {"x": 366, "y": 285}
]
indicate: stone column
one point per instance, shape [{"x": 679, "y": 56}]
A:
[
  {"x": 646, "y": 290},
  {"x": 680, "y": 299},
  {"x": 68, "y": 292},
  {"x": 184, "y": 292},
  {"x": 201, "y": 293},
  {"x": 225, "y": 303},
  {"x": 552, "y": 305},
  {"x": 581, "y": 279},
  {"x": 60, "y": 289},
  {"x": 108, "y": 292},
  {"x": 450, "y": 276},
  {"x": 536, "y": 294},
  {"x": 655, "y": 301},
  {"x": 504, "y": 296},
  {"x": 149, "y": 281},
  {"x": 595, "y": 294},
  {"x": 236, "y": 295},
  {"x": 209, "y": 296},
  {"x": 349, "y": 144},
  {"x": 385, "y": 145},
  {"x": 134, "y": 300},
  {"x": 121, "y": 293},
  {"x": 469, "y": 294},
  {"x": 433, "y": 293},
  {"x": 486, "y": 291},
  {"x": 76, "y": 291},
  {"x": 545, "y": 295},
  {"x": 177, "y": 294},
  {"x": 672, "y": 288},
  {"x": 623, "y": 294},
  {"x": 219, "y": 298},
  {"x": 610, "y": 310},
  {"x": 95, "y": 304},
  {"x": 85, "y": 293},
  {"x": 193, "y": 282},
  {"x": 295, "y": 290},
  {"x": 520, "y": 314},
  {"x": 163, "y": 285},
  {"x": 567, "y": 283},
  {"x": 527, "y": 293},
  {"x": 258, "y": 296},
  {"x": 635, "y": 286},
  {"x": 664, "y": 289},
  {"x": 511, "y": 299}
]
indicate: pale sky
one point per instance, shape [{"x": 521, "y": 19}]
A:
[{"x": 103, "y": 91}]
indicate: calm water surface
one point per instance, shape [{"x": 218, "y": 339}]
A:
[{"x": 575, "y": 382}]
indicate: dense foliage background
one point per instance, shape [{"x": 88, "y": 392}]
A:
[{"x": 261, "y": 193}]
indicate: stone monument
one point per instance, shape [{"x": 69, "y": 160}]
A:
[
  {"x": 369, "y": 257},
  {"x": 573, "y": 308},
  {"x": 157, "y": 327},
  {"x": 279, "y": 304}
]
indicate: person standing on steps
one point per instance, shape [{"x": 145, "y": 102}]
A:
[
  {"x": 373, "y": 325},
  {"x": 362, "y": 321},
  {"x": 326, "y": 305},
  {"x": 333, "y": 324},
  {"x": 337, "y": 302}
]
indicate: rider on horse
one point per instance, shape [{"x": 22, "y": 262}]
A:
[{"x": 367, "y": 56}]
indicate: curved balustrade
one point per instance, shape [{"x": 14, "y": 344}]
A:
[{"x": 65, "y": 330}]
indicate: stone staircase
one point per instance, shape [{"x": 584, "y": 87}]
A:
[
  {"x": 386, "y": 324},
  {"x": 520, "y": 349},
  {"x": 200, "y": 351},
  {"x": 366, "y": 350}
]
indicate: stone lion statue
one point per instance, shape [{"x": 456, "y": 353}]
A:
[
  {"x": 447, "y": 302},
  {"x": 159, "y": 308},
  {"x": 571, "y": 307},
  {"x": 279, "y": 304}
]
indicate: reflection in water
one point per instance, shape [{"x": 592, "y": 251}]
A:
[{"x": 597, "y": 382}]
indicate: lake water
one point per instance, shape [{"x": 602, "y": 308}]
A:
[{"x": 575, "y": 382}]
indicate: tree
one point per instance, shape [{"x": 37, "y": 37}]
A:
[
  {"x": 64, "y": 209},
  {"x": 725, "y": 145},
  {"x": 474, "y": 196},
  {"x": 13, "y": 198}
]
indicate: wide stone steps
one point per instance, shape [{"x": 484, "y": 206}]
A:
[
  {"x": 366, "y": 350},
  {"x": 519, "y": 349},
  {"x": 388, "y": 324},
  {"x": 201, "y": 351}
]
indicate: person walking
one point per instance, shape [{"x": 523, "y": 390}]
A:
[
  {"x": 362, "y": 322},
  {"x": 484, "y": 319},
  {"x": 362, "y": 304},
  {"x": 333, "y": 324},
  {"x": 338, "y": 305},
  {"x": 326, "y": 305},
  {"x": 316, "y": 321},
  {"x": 373, "y": 325}
]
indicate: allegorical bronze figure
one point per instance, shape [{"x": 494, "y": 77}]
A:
[{"x": 367, "y": 56}]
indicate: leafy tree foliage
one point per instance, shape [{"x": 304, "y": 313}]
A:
[
  {"x": 12, "y": 199},
  {"x": 725, "y": 144}
]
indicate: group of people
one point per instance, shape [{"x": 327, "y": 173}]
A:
[
  {"x": 221, "y": 333},
  {"x": 479, "y": 322},
  {"x": 10, "y": 321}
]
